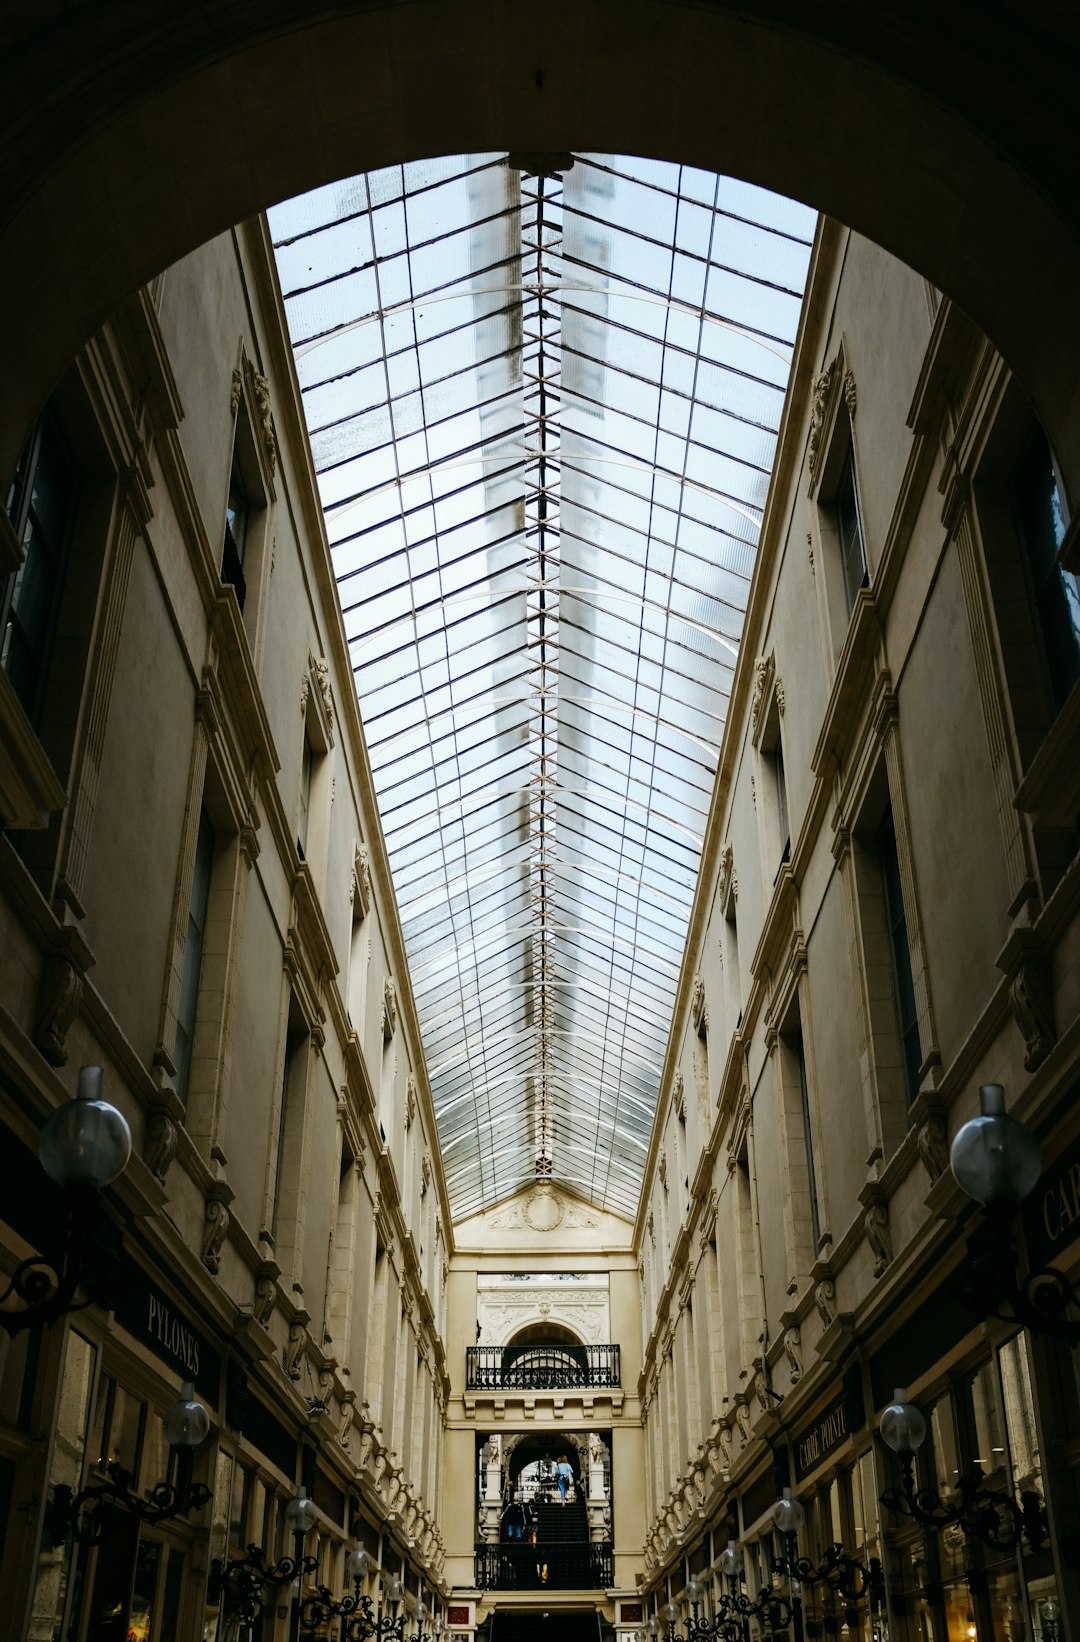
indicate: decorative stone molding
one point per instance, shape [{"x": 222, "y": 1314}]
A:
[
  {"x": 1033, "y": 1011},
  {"x": 661, "y": 1168},
  {"x": 933, "y": 1143},
  {"x": 726, "y": 882},
  {"x": 825, "y": 1299},
  {"x": 819, "y": 408},
  {"x": 162, "y": 1139},
  {"x": 321, "y": 674},
  {"x": 876, "y": 1225},
  {"x": 678, "y": 1096},
  {"x": 389, "y": 1009},
  {"x": 793, "y": 1345},
  {"x": 60, "y": 993},
  {"x": 410, "y": 1102},
  {"x": 361, "y": 882},
  {"x": 58, "y": 1005},
  {"x": 215, "y": 1231},
  {"x": 261, "y": 389},
  {"x": 296, "y": 1350},
  {"x": 699, "y": 1010},
  {"x": 237, "y": 390},
  {"x": 763, "y": 668},
  {"x": 265, "y": 1296},
  {"x": 832, "y": 386},
  {"x": 425, "y": 1174}
]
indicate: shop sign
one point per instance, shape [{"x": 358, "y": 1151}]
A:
[
  {"x": 158, "y": 1322},
  {"x": 831, "y": 1429},
  {"x": 1052, "y": 1212}
]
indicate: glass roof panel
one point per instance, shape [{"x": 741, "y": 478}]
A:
[{"x": 543, "y": 411}]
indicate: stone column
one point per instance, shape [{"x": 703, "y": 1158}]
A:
[
  {"x": 596, "y": 1498},
  {"x": 491, "y": 1504}
]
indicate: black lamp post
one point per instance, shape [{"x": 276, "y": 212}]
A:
[
  {"x": 997, "y": 1161},
  {"x": 83, "y": 1146},
  {"x": 998, "y": 1520},
  {"x": 247, "y": 1581},
  {"x": 89, "y": 1514},
  {"x": 359, "y": 1621},
  {"x": 843, "y": 1577},
  {"x": 421, "y": 1615},
  {"x": 788, "y": 1517}
]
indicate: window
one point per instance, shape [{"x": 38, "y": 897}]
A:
[
  {"x": 1041, "y": 516},
  {"x": 236, "y": 525},
  {"x": 896, "y": 924},
  {"x": 291, "y": 1100},
  {"x": 40, "y": 506},
  {"x": 849, "y": 531},
  {"x": 247, "y": 532},
  {"x": 795, "y": 1046},
  {"x": 304, "y": 814},
  {"x": 198, "y": 909},
  {"x": 315, "y": 781}
]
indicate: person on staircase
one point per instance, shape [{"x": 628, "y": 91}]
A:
[{"x": 564, "y": 1477}]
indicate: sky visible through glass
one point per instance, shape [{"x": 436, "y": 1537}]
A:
[{"x": 543, "y": 411}]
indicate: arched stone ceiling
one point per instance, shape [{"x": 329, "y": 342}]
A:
[{"x": 131, "y": 130}]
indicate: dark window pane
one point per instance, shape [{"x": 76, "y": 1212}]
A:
[
  {"x": 906, "y": 1009},
  {"x": 40, "y": 507},
  {"x": 1057, "y": 600},
  {"x": 193, "y": 951},
  {"x": 849, "y": 530}
]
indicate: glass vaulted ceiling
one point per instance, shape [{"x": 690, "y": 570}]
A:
[{"x": 543, "y": 411}]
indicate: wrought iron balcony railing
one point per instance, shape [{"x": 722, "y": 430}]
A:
[
  {"x": 542, "y": 1368},
  {"x": 518, "y": 1566}
]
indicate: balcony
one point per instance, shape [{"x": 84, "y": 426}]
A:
[
  {"x": 519, "y": 1566},
  {"x": 557, "y": 1368}
]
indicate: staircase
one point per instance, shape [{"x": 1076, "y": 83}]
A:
[
  {"x": 563, "y": 1524},
  {"x": 561, "y": 1560}
]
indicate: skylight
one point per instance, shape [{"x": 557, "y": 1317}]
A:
[{"x": 543, "y": 410}]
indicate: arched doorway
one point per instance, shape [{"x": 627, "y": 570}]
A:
[
  {"x": 545, "y": 1356},
  {"x": 133, "y": 134}
]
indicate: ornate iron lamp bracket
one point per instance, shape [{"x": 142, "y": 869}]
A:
[
  {"x": 997, "y": 1520},
  {"x": 245, "y": 1580},
  {"x": 89, "y": 1514}
]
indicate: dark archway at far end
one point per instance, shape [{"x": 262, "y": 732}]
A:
[{"x": 132, "y": 130}]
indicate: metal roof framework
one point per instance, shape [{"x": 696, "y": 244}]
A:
[{"x": 543, "y": 411}]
